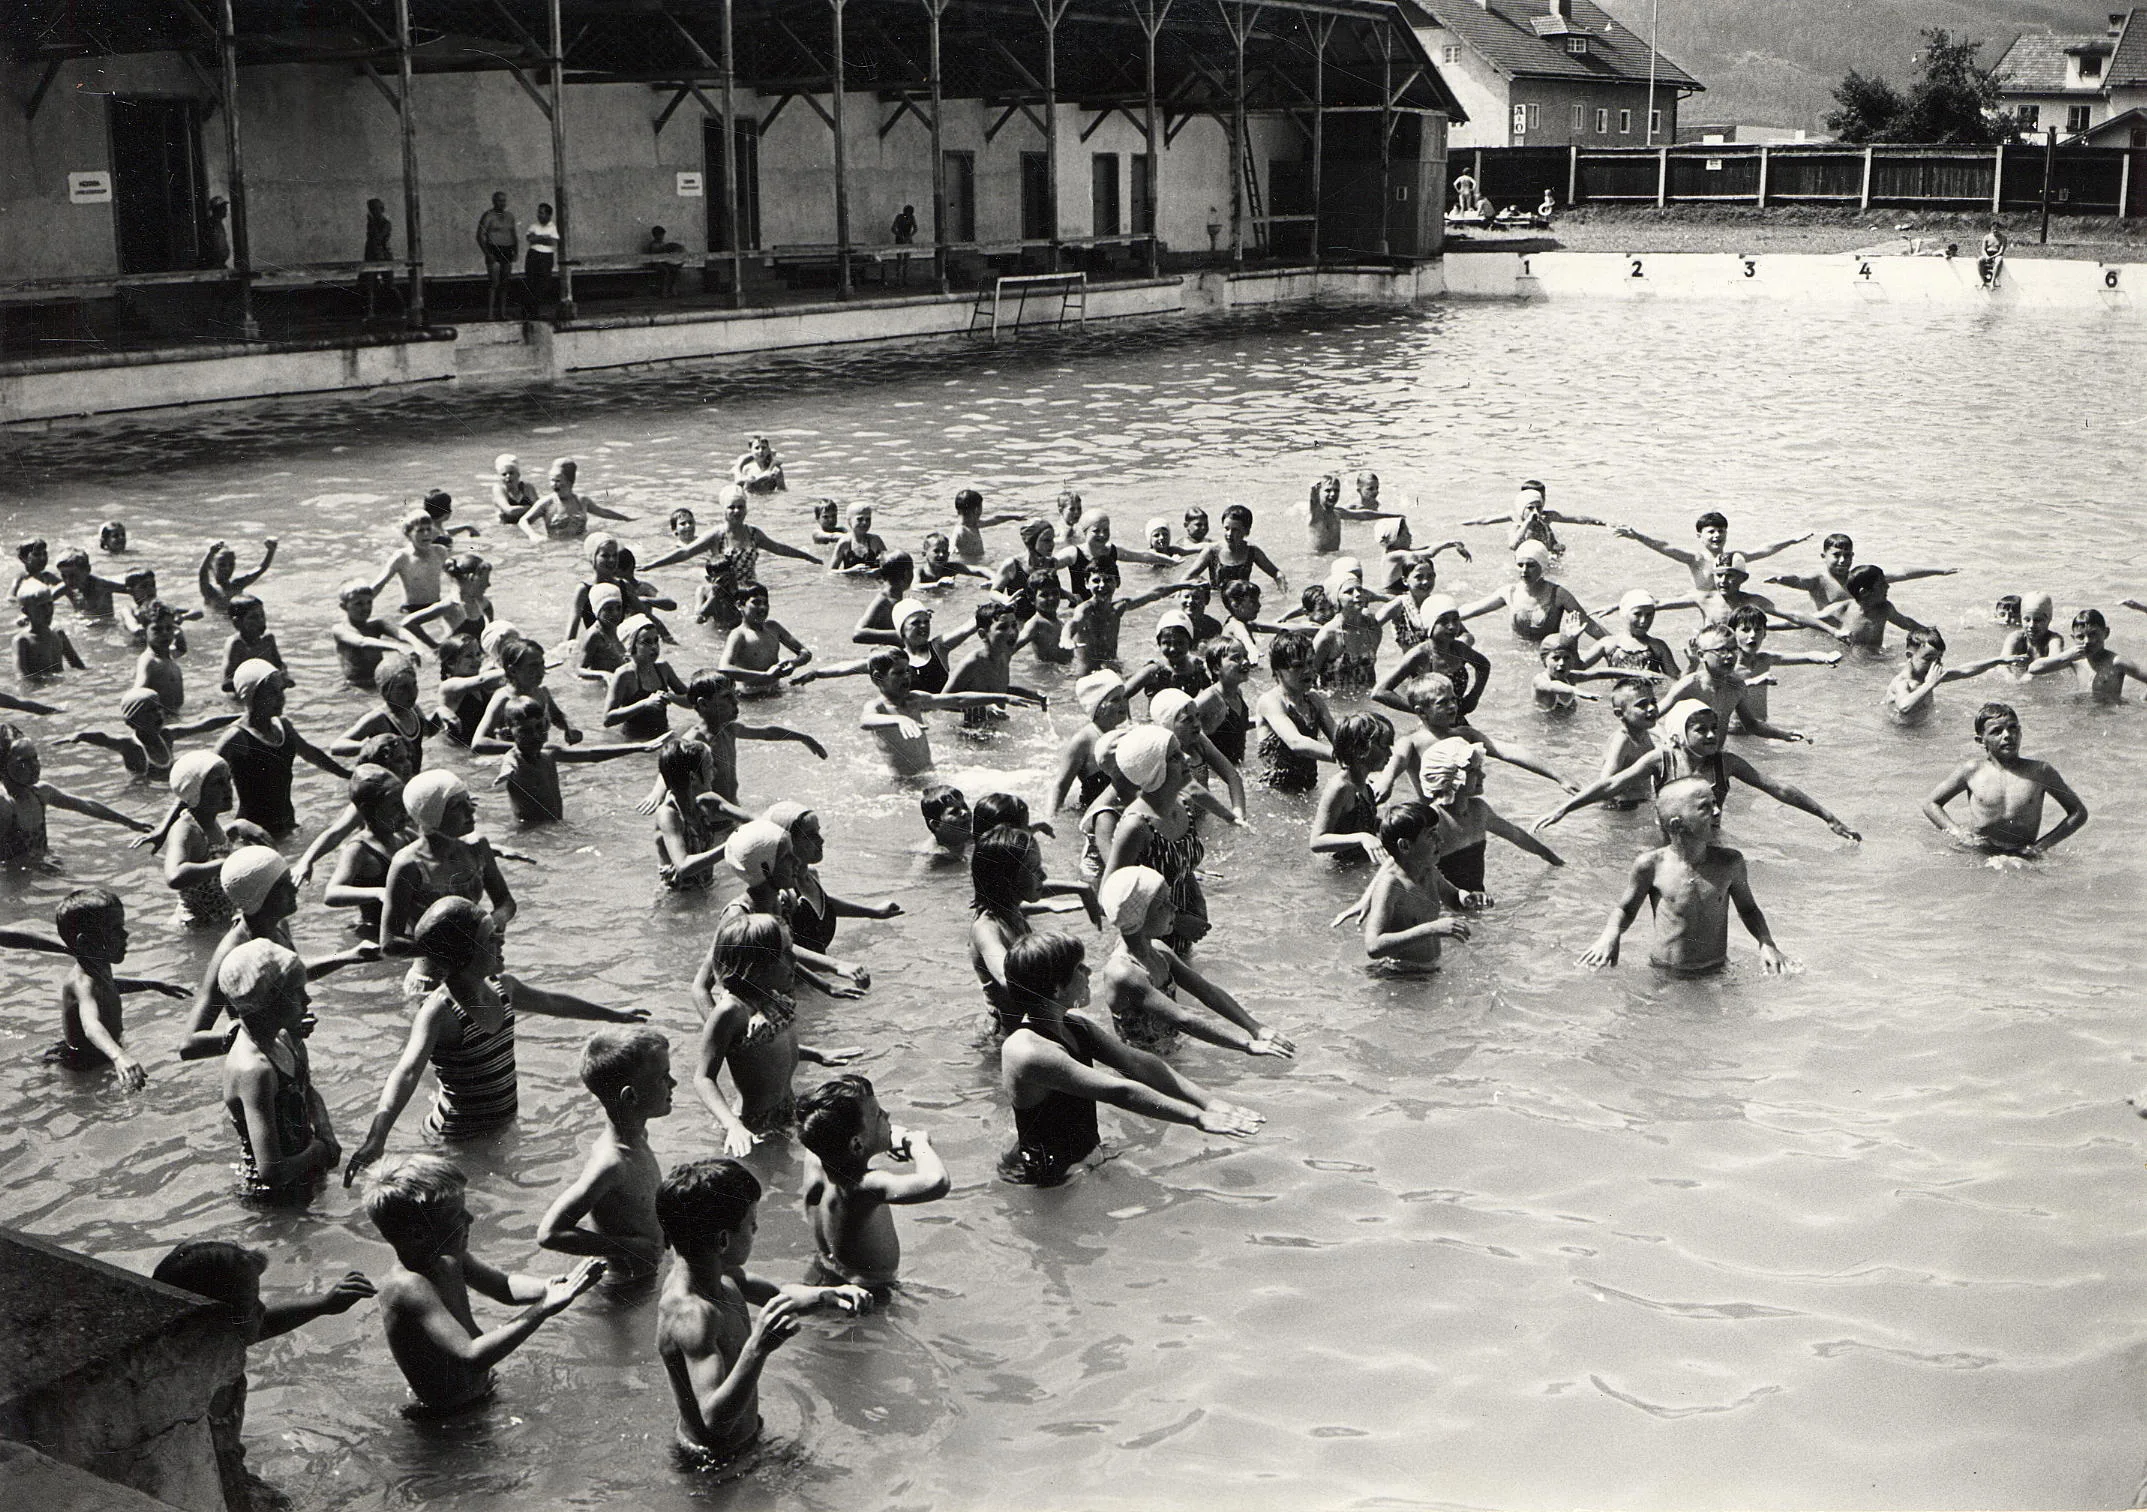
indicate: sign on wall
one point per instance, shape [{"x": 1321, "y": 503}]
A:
[
  {"x": 89, "y": 188},
  {"x": 689, "y": 186}
]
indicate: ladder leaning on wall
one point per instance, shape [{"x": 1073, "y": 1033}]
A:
[
  {"x": 1254, "y": 215},
  {"x": 993, "y": 299}
]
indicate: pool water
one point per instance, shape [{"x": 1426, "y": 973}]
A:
[{"x": 1524, "y": 1235}]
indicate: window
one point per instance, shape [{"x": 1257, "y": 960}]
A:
[
  {"x": 2076, "y": 117},
  {"x": 2091, "y": 66},
  {"x": 1576, "y": 44},
  {"x": 1520, "y": 120},
  {"x": 1453, "y": 56},
  {"x": 2030, "y": 117},
  {"x": 1602, "y": 122},
  {"x": 1625, "y": 123},
  {"x": 1038, "y": 220},
  {"x": 1535, "y": 116},
  {"x": 1580, "y": 119},
  {"x": 1654, "y": 123}
]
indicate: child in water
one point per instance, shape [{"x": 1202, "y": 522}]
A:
[
  {"x": 844, "y": 1128},
  {"x": 1909, "y": 698},
  {"x": 92, "y": 925},
  {"x": 1691, "y": 883},
  {"x": 610, "y": 1210},
  {"x": 40, "y": 649},
  {"x": 2107, "y": 670},
  {"x": 1404, "y": 909}
]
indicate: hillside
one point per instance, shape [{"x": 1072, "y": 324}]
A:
[{"x": 1776, "y": 62}]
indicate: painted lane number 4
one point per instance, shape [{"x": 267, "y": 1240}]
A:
[{"x": 1863, "y": 270}]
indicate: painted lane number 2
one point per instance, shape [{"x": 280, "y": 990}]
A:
[{"x": 1636, "y": 273}]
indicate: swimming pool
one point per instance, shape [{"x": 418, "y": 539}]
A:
[{"x": 1524, "y": 1236}]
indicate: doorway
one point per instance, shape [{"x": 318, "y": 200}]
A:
[
  {"x": 160, "y": 197},
  {"x": 1103, "y": 194},
  {"x": 722, "y": 205},
  {"x": 1144, "y": 207},
  {"x": 961, "y": 175},
  {"x": 1036, "y": 197}
]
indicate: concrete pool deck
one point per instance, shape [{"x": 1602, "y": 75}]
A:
[{"x": 43, "y": 391}]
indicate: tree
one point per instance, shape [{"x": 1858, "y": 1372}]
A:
[{"x": 1954, "y": 100}]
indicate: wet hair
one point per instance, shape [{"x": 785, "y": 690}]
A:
[
  {"x": 239, "y": 605},
  {"x": 937, "y": 799},
  {"x": 680, "y": 513},
  {"x": 110, "y": 531},
  {"x": 833, "y": 1114},
  {"x": 227, "y": 1274},
  {"x": 386, "y": 750},
  {"x": 2091, "y": 618},
  {"x": 139, "y": 577},
  {"x": 1716, "y": 634},
  {"x": 1355, "y": 736},
  {"x": 896, "y": 564},
  {"x": 30, "y": 549},
  {"x": 439, "y": 504},
  {"x": 1404, "y": 823},
  {"x": 1746, "y": 615},
  {"x": 750, "y": 592},
  {"x": 995, "y": 809},
  {"x": 709, "y": 684},
  {"x": 613, "y": 1057},
  {"x": 1837, "y": 539},
  {"x": 355, "y": 588},
  {"x": 406, "y": 1199},
  {"x": 1627, "y": 690},
  {"x": 1424, "y": 689},
  {"x": 1290, "y": 649},
  {"x": 1714, "y": 518},
  {"x": 1238, "y": 512},
  {"x": 450, "y": 932},
  {"x": 85, "y": 910},
  {"x": 986, "y": 615},
  {"x": 998, "y": 866},
  {"x": 1929, "y": 635},
  {"x": 521, "y": 653},
  {"x": 746, "y": 943},
  {"x": 1991, "y": 711},
  {"x": 1864, "y": 579},
  {"x": 519, "y": 708},
  {"x": 458, "y": 646},
  {"x": 73, "y": 556},
  {"x": 1218, "y": 649},
  {"x": 886, "y": 660},
  {"x": 1196, "y": 595},
  {"x": 1238, "y": 592},
  {"x": 1046, "y": 585},
  {"x": 702, "y": 1201},
  {"x": 966, "y": 500},
  {"x": 1039, "y": 966},
  {"x": 2009, "y": 605},
  {"x": 1314, "y": 597},
  {"x": 1193, "y": 512}
]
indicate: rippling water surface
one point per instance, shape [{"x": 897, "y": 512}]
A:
[{"x": 1524, "y": 1236}]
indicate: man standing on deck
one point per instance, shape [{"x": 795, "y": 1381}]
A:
[{"x": 499, "y": 241}]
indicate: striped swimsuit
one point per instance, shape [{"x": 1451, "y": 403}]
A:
[{"x": 477, "y": 1080}]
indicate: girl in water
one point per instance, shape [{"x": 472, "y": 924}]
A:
[
  {"x": 750, "y": 1028},
  {"x": 27, "y": 796},
  {"x": 1142, "y": 977},
  {"x": 1158, "y": 827},
  {"x": 1296, "y": 727}
]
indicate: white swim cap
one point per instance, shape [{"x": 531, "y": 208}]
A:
[
  {"x": 1092, "y": 690},
  {"x": 752, "y": 849},
  {"x": 1127, "y": 895},
  {"x": 1144, "y": 756},
  {"x": 426, "y": 796},
  {"x": 249, "y": 874},
  {"x": 191, "y": 773},
  {"x": 255, "y": 974},
  {"x": 1168, "y": 704}
]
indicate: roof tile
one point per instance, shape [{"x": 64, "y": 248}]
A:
[{"x": 1504, "y": 31}]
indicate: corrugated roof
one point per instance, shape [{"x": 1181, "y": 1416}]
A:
[
  {"x": 1504, "y": 32},
  {"x": 2038, "y": 64}
]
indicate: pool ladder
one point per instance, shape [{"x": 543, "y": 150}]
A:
[{"x": 989, "y": 312}]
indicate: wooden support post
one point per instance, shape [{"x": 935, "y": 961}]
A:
[
  {"x": 934, "y": 10},
  {"x": 1997, "y": 179},
  {"x": 1151, "y": 18},
  {"x": 1863, "y": 195},
  {"x": 1662, "y": 177},
  {"x": 1760, "y": 199},
  {"x": 1386, "y": 143},
  {"x": 1238, "y": 32},
  {"x": 406, "y": 110},
  {"x": 2124, "y": 186},
  {"x": 2050, "y": 162},
  {"x": 227, "y": 48},
  {"x": 843, "y": 287},
  {"x": 1573, "y": 175},
  {"x": 1322, "y": 29},
  {"x": 733, "y": 231},
  {"x": 557, "y": 65},
  {"x": 1051, "y": 10}
]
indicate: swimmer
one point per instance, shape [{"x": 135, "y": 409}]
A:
[
  {"x": 1695, "y": 750},
  {"x": 1728, "y": 595},
  {"x": 418, "y": 562},
  {"x": 1756, "y": 664},
  {"x": 758, "y": 470},
  {"x": 1175, "y": 665},
  {"x": 843, "y": 1128},
  {"x": 1098, "y": 615},
  {"x": 610, "y": 1209},
  {"x": 936, "y": 564},
  {"x": 1538, "y": 605},
  {"x": 741, "y": 542},
  {"x": 1345, "y": 824},
  {"x": 92, "y": 925},
  {"x": 988, "y": 666},
  {"x": 2005, "y": 794},
  {"x": 2033, "y": 635},
  {"x": 1220, "y": 708},
  {"x": 362, "y": 640},
  {"x": 813, "y": 909},
  {"x": 512, "y": 494},
  {"x": 1045, "y": 633},
  {"x": 1717, "y": 682},
  {"x": 1909, "y": 697},
  {"x": 398, "y": 716},
  {"x": 1864, "y": 615},
  {"x": 36, "y": 558},
  {"x": 1233, "y": 558},
  {"x": 1103, "y": 697},
  {"x": 92, "y": 595},
  {"x": 600, "y": 652},
  {"x": 1401, "y": 555},
  {"x": 146, "y": 749},
  {"x": 1443, "y": 649},
  {"x": 1404, "y": 920},
  {"x": 523, "y": 662},
  {"x": 692, "y": 821},
  {"x": 1532, "y": 518},
  {"x": 287, "y": 1144},
  {"x": 1143, "y": 977},
  {"x": 1453, "y": 778},
  {"x": 969, "y": 533},
  {"x": 2006, "y": 611},
  {"x": 1557, "y": 687},
  {"x": 860, "y": 550},
  {"x": 360, "y": 880},
  {"x": 1712, "y": 530},
  {"x": 1098, "y": 554},
  {"x": 158, "y": 667},
  {"x": 420, "y": 1207},
  {"x": 1345, "y": 652},
  {"x": 40, "y": 649},
  {"x": 25, "y": 797},
  {"x": 1195, "y": 521},
  {"x": 1159, "y": 827},
  {"x": 219, "y": 579},
  {"x": 467, "y": 612},
  {"x": 1297, "y": 728},
  {"x": 564, "y": 514},
  {"x": 895, "y": 717},
  {"x": 1058, "y": 1064},
  {"x": 251, "y": 639},
  {"x": 2107, "y": 670},
  {"x": 753, "y": 654},
  {"x": 1325, "y": 512},
  {"x": 134, "y": 616},
  {"x": 198, "y": 840},
  {"x": 1630, "y": 741},
  {"x": 1431, "y": 699},
  {"x": 440, "y": 504},
  {"x": 112, "y": 537},
  {"x": 1837, "y": 557},
  {"x": 1636, "y": 649},
  {"x": 712, "y": 1344},
  {"x": 529, "y": 767},
  {"x": 1690, "y": 883},
  {"x": 1157, "y": 535},
  {"x": 945, "y": 811},
  {"x": 637, "y": 701}
]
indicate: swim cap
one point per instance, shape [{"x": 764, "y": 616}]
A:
[
  {"x": 255, "y": 974},
  {"x": 604, "y": 593},
  {"x": 909, "y": 609},
  {"x": 785, "y": 814},
  {"x": 249, "y": 873},
  {"x": 1127, "y": 894},
  {"x": 370, "y": 783},
  {"x": 1637, "y": 598},
  {"x": 2034, "y": 603},
  {"x": 1533, "y": 551},
  {"x": 1177, "y": 619},
  {"x": 426, "y": 796},
  {"x": 597, "y": 542},
  {"x": 137, "y": 701},
  {"x": 1158, "y": 523},
  {"x": 1168, "y": 704},
  {"x": 752, "y": 848},
  {"x": 250, "y": 675},
  {"x": 191, "y": 773},
  {"x": 504, "y": 461},
  {"x": 1144, "y": 756},
  {"x": 1682, "y": 714},
  {"x": 1446, "y": 762},
  {"x": 1345, "y": 569},
  {"x": 1092, "y": 690},
  {"x": 494, "y": 635},
  {"x": 1436, "y": 606},
  {"x": 1392, "y": 530},
  {"x": 1733, "y": 561}
]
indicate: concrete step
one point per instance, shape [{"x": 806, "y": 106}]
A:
[{"x": 502, "y": 349}]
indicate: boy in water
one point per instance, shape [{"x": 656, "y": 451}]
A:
[
  {"x": 1431, "y": 699},
  {"x": 1756, "y": 664},
  {"x": 969, "y": 533},
  {"x": 564, "y": 514},
  {"x": 93, "y": 927},
  {"x": 418, "y": 562},
  {"x": 843, "y": 1126},
  {"x": 361, "y": 640},
  {"x": 1634, "y": 704},
  {"x": 1716, "y": 681},
  {"x": 1909, "y": 696},
  {"x": 1713, "y": 530},
  {"x": 753, "y": 653},
  {"x": 2107, "y": 670},
  {"x": 1532, "y": 519},
  {"x": 2005, "y": 793},
  {"x": 92, "y": 594},
  {"x": 945, "y": 811},
  {"x": 251, "y": 639},
  {"x": 628, "y": 1072},
  {"x": 1837, "y": 557},
  {"x": 529, "y": 766},
  {"x": 1864, "y": 615},
  {"x": 418, "y": 1206},
  {"x": 36, "y": 558},
  {"x": 1690, "y": 883},
  {"x": 41, "y": 650},
  {"x": 896, "y": 720},
  {"x": 1403, "y": 919},
  {"x": 712, "y": 1354},
  {"x": 220, "y": 580}
]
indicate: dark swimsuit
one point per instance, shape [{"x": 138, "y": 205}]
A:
[
  {"x": 1179, "y": 863},
  {"x": 1287, "y": 771},
  {"x": 261, "y": 777},
  {"x": 1711, "y": 771},
  {"x": 810, "y": 929},
  {"x": 478, "y": 1091},
  {"x": 291, "y": 1111},
  {"x": 1060, "y": 1131},
  {"x": 1229, "y": 735},
  {"x": 929, "y": 675},
  {"x": 1359, "y": 816}
]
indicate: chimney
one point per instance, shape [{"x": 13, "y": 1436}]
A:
[
  {"x": 2117, "y": 22},
  {"x": 1563, "y": 10}
]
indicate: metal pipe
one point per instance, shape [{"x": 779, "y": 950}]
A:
[
  {"x": 561, "y": 270},
  {"x": 1052, "y": 10},
  {"x": 1151, "y": 23},
  {"x": 2050, "y": 161},
  {"x": 1654, "y": 26},
  {"x": 1321, "y": 30},
  {"x": 1237, "y": 148},
  {"x": 413, "y": 234},
  {"x": 227, "y": 48}
]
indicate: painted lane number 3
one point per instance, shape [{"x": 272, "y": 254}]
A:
[{"x": 1751, "y": 268}]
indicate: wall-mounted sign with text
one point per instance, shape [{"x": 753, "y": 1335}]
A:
[
  {"x": 89, "y": 188},
  {"x": 689, "y": 186}
]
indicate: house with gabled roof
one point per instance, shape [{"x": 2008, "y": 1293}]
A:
[
  {"x": 2080, "y": 84},
  {"x": 1535, "y": 73}
]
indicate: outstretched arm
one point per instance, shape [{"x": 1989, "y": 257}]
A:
[
  {"x": 1782, "y": 792},
  {"x": 1779, "y": 546},
  {"x": 1639, "y": 883},
  {"x": 1661, "y": 548}
]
